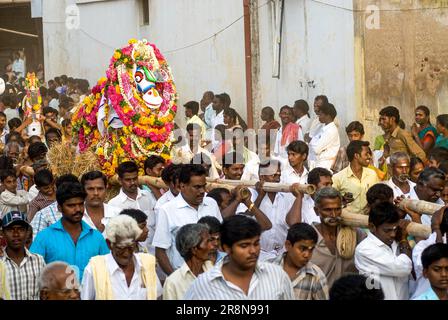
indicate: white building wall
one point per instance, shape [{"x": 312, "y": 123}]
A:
[{"x": 317, "y": 44}]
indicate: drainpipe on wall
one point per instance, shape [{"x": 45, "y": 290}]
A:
[{"x": 248, "y": 64}]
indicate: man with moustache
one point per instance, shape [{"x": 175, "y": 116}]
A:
[
  {"x": 385, "y": 255},
  {"x": 399, "y": 167},
  {"x": 328, "y": 205},
  {"x": 70, "y": 239},
  {"x": 97, "y": 213},
  {"x": 356, "y": 178},
  {"x": 188, "y": 207},
  {"x": 430, "y": 184},
  {"x": 58, "y": 281},
  {"x": 240, "y": 276}
]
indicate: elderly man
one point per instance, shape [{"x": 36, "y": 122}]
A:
[
  {"x": 96, "y": 212},
  {"x": 194, "y": 244},
  {"x": 327, "y": 254},
  {"x": 58, "y": 281},
  {"x": 240, "y": 276},
  {"x": 385, "y": 255},
  {"x": 430, "y": 184},
  {"x": 356, "y": 178},
  {"x": 121, "y": 274},
  {"x": 188, "y": 207},
  {"x": 399, "y": 167}
]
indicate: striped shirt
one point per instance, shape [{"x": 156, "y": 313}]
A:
[
  {"x": 38, "y": 203},
  {"x": 309, "y": 283},
  {"x": 269, "y": 282},
  {"x": 45, "y": 218},
  {"x": 23, "y": 279}
]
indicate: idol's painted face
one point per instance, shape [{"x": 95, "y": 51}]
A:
[{"x": 146, "y": 85}]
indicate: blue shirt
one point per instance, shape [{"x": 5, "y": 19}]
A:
[
  {"x": 56, "y": 244},
  {"x": 428, "y": 295}
]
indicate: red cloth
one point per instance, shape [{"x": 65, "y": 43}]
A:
[{"x": 290, "y": 133}]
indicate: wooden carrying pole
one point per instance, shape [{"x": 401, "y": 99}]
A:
[
  {"x": 362, "y": 221},
  {"x": 228, "y": 184},
  {"x": 420, "y": 206},
  {"x": 268, "y": 186}
]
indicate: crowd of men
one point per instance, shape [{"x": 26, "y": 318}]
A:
[{"x": 63, "y": 238}]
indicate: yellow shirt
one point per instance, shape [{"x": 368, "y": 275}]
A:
[
  {"x": 177, "y": 284},
  {"x": 196, "y": 120},
  {"x": 345, "y": 181}
]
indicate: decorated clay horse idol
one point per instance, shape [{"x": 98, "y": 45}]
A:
[
  {"x": 32, "y": 105},
  {"x": 130, "y": 114}
]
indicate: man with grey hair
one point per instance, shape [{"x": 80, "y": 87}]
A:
[
  {"x": 122, "y": 274},
  {"x": 194, "y": 244},
  {"x": 327, "y": 254},
  {"x": 399, "y": 167},
  {"x": 13, "y": 150},
  {"x": 58, "y": 281}
]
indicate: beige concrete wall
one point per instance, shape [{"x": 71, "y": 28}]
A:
[{"x": 403, "y": 63}]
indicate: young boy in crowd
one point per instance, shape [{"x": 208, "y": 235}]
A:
[
  {"x": 141, "y": 219},
  {"x": 308, "y": 280},
  {"x": 12, "y": 199},
  {"x": 435, "y": 269},
  {"x": 44, "y": 182}
]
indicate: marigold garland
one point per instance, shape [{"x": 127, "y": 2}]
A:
[{"x": 145, "y": 131}]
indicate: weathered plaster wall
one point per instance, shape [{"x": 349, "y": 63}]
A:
[{"x": 405, "y": 62}]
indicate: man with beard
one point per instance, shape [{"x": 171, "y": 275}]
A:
[
  {"x": 430, "y": 184},
  {"x": 385, "y": 255},
  {"x": 326, "y": 255},
  {"x": 399, "y": 168},
  {"x": 70, "y": 239},
  {"x": 356, "y": 178},
  {"x": 240, "y": 276},
  {"x": 188, "y": 207}
]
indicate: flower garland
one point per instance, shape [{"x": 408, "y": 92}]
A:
[{"x": 145, "y": 131}]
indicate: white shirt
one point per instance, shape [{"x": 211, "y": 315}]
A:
[
  {"x": 324, "y": 147},
  {"x": 308, "y": 214},
  {"x": 426, "y": 219},
  {"x": 378, "y": 261},
  {"x": 33, "y": 192},
  {"x": 315, "y": 126},
  {"x": 219, "y": 119},
  {"x": 145, "y": 202},
  {"x": 280, "y": 150},
  {"x": 165, "y": 198},
  {"x": 11, "y": 113},
  {"x": 109, "y": 213},
  {"x": 289, "y": 175},
  {"x": 120, "y": 288},
  {"x": 18, "y": 66},
  {"x": 3, "y": 135},
  {"x": 397, "y": 190},
  {"x": 175, "y": 214},
  {"x": 305, "y": 124}
]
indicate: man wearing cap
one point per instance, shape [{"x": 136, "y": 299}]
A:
[{"x": 22, "y": 267}]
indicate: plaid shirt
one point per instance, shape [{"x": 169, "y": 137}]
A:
[
  {"x": 23, "y": 279},
  {"x": 45, "y": 218},
  {"x": 309, "y": 283},
  {"x": 38, "y": 203}
]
